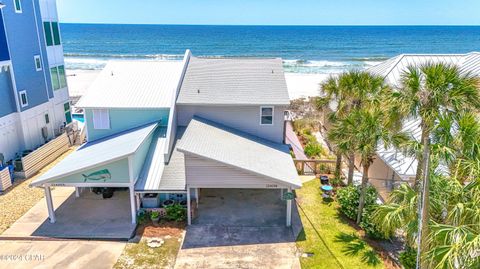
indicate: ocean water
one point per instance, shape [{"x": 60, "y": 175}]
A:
[{"x": 304, "y": 49}]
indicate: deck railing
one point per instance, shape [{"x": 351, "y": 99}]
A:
[{"x": 314, "y": 166}]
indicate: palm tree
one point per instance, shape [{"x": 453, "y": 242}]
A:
[
  {"x": 455, "y": 224},
  {"x": 456, "y": 143},
  {"x": 429, "y": 92},
  {"x": 350, "y": 90},
  {"x": 366, "y": 129}
]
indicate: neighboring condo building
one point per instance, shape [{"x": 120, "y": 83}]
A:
[{"x": 34, "y": 100}]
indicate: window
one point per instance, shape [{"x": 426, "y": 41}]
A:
[
  {"x": 68, "y": 114},
  {"x": 38, "y": 62},
  {"x": 23, "y": 98},
  {"x": 55, "y": 80},
  {"x": 61, "y": 76},
  {"x": 56, "y": 33},
  {"x": 101, "y": 119},
  {"x": 18, "y": 6},
  {"x": 48, "y": 33},
  {"x": 47, "y": 119},
  {"x": 52, "y": 33},
  {"x": 59, "y": 79},
  {"x": 266, "y": 115}
]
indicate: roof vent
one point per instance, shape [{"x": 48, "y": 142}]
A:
[
  {"x": 198, "y": 90},
  {"x": 111, "y": 73},
  {"x": 272, "y": 71}
]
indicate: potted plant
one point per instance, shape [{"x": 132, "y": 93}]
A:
[
  {"x": 168, "y": 202},
  {"x": 155, "y": 216}
]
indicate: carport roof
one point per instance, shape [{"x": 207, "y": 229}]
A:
[
  {"x": 98, "y": 152},
  {"x": 210, "y": 140}
]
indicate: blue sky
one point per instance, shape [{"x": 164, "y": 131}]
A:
[{"x": 271, "y": 12}]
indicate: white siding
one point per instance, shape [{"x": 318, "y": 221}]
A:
[
  {"x": 203, "y": 173},
  {"x": 243, "y": 118}
]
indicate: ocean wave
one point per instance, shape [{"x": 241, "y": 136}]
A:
[
  {"x": 98, "y": 61},
  {"x": 126, "y": 56}
]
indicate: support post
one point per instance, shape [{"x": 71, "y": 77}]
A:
[
  {"x": 197, "y": 194},
  {"x": 281, "y": 194},
  {"x": 137, "y": 198},
  {"x": 51, "y": 210},
  {"x": 77, "y": 192},
  {"x": 289, "y": 210},
  {"x": 133, "y": 204},
  {"x": 189, "y": 216}
]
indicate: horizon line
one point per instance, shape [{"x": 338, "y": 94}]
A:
[{"x": 291, "y": 25}]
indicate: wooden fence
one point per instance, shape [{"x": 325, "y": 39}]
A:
[
  {"x": 5, "y": 180},
  {"x": 45, "y": 154},
  {"x": 313, "y": 167}
]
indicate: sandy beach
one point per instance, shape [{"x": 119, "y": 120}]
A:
[{"x": 299, "y": 85}]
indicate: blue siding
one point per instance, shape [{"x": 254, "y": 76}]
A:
[
  {"x": 22, "y": 36},
  {"x": 4, "y": 55},
  {"x": 7, "y": 101},
  {"x": 43, "y": 43},
  {"x": 125, "y": 119}
]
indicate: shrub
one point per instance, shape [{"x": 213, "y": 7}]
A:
[
  {"x": 313, "y": 150},
  {"x": 175, "y": 212},
  {"x": 371, "y": 229},
  {"x": 306, "y": 123},
  {"x": 143, "y": 217},
  {"x": 408, "y": 258},
  {"x": 348, "y": 198}
]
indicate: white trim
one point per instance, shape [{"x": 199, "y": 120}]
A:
[
  {"x": 261, "y": 115},
  {"x": 51, "y": 209},
  {"x": 131, "y": 176},
  {"x": 39, "y": 59},
  {"x": 21, "y": 99},
  {"x": 133, "y": 203},
  {"x": 87, "y": 185},
  {"x": 189, "y": 216},
  {"x": 15, "y": 6}
]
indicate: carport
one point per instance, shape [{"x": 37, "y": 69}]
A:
[
  {"x": 223, "y": 162},
  {"x": 241, "y": 207},
  {"x": 111, "y": 162}
]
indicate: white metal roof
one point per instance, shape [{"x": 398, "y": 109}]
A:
[
  {"x": 157, "y": 175},
  {"x": 134, "y": 84},
  {"x": 98, "y": 152},
  {"x": 229, "y": 146},
  {"x": 392, "y": 70},
  {"x": 234, "y": 81}
]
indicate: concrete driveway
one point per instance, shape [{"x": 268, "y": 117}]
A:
[
  {"x": 238, "y": 228},
  {"x": 59, "y": 254}
]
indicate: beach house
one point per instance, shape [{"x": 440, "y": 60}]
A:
[
  {"x": 179, "y": 130},
  {"x": 34, "y": 101},
  {"x": 391, "y": 166}
]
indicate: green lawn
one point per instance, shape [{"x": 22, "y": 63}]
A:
[{"x": 333, "y": 242}]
